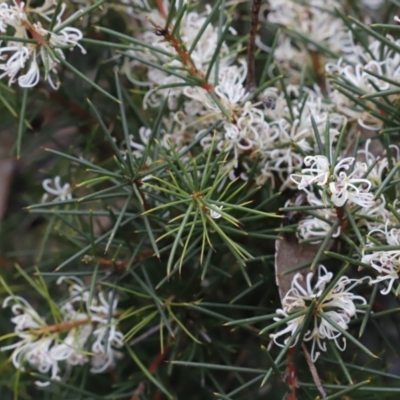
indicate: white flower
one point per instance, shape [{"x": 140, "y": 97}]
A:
[
  {"x": 13, "y": 15},
  {"x": 374, "y": 4},
  {"x": 317, "y": 173},
  {"x": 314, "y": 227},
  {"x": 338, "y": 305},
  {"x": 103, "y": 349},
  {"x": 101, "y": 312},
  {"x": 312, "y": 19},
  {"x": 61, "y": 193},
  {"x": 32, "y": 77},
  {"x": 26, "y": 317},
  {"x": 320, "y": 225},
  {"x": 214, "y": 214},
  {"x": 72, "y": 348},
  {"x": 343, "y": 187},
  {"x": 230, "y": 86},
  {"x": 349, "y": 188},
  {"x": 234, "y": 140},
  {"x": 292, "y": 326},
  {"x": 66, "y": 37},
  {"x": 32, "y": 348},
  {"x": 374, "y": 217},
  {"x": 298, "y": 137},
  {"x": 392, "y": 236},
  {"x": 361, "y": 79},
  {"x": 38, "y": 355},
  {"x": 299, "y": 295},
  {"x": 387, "y": 264},
  {"x": 377, "y": 166},
  {"x": 107, "y": 336},
  {"x": 346, "y": 107},
  {"x": 137, "y": 148},
  {"x": 15, "y": 61}
]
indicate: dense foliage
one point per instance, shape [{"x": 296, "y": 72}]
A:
[{"x": 199, "y": 200}]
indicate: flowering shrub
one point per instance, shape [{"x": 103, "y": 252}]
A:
[{"x": 204, "y": 199}]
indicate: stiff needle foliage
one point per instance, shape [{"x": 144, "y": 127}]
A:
[{"x": 199, "y": 200}]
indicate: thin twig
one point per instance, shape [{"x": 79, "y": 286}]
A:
[
  {"x": 251, "y": 61},
  {"x": 184, "y": 56},
  {"x": 314, "y": 372},
  {"x": 146, "y": 334}
]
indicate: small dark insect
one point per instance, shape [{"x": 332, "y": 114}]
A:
[
  {"x": 161, "y": 31},
  {"x": 291, "y": 218},
  {"x": 36, "y": 122},
  {"x": 270, "y": 103},
  {"x": 265, "y": 11}
]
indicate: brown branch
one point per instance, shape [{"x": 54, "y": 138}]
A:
[
  {"x": 184, "y": 56},
  {"x": 121, "y": 264},
  {"x": 251, "y": 61},
  {"x": 61, "y": 327}
]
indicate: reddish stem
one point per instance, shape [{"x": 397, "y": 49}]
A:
[
  {"x": 292, "y": 374},
  {"x": 185, "y": 57},
  {"x": 340, "y": 216},
  {"x": 157, "y": 361},
  {"x": 157, "y": 395},
  {"x": 161, "y": 8},
  {"x": 61, "y": 327},
  {"x": 152, "y": 369}
]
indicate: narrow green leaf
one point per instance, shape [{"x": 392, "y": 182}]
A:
[
  {"x": 339, "y": 394},
  {"x": 346, "y": 334},
  {"x": 147, "y": 373},
  {"x": 206, "y": 23},
  {"x": 21, "y": 122},
  {"x": 80, "y": 74},
  {"x": 118, "y": 222},
  {"x": 78, "y": 15},
  {"x": 231, "y": 368}
]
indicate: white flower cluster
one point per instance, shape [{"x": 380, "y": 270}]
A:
[
  {"x": 277, "y": 128},
  {"x": 343, "y": 186},
  {"x": 314, "y": 21},
  {"x": 339, "y": 305},
  {"x": 20, "y": 57},
  {"x": 200, "y": 57},
  {"x": 200, "y": 111},
  {"x": 386, "y": 263},
  {"x": 350, "y": 182},
  {"x": 86, "y": 330},
  {"x": 371, "y": 72},
  {"x": 266, "y": 128}
]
